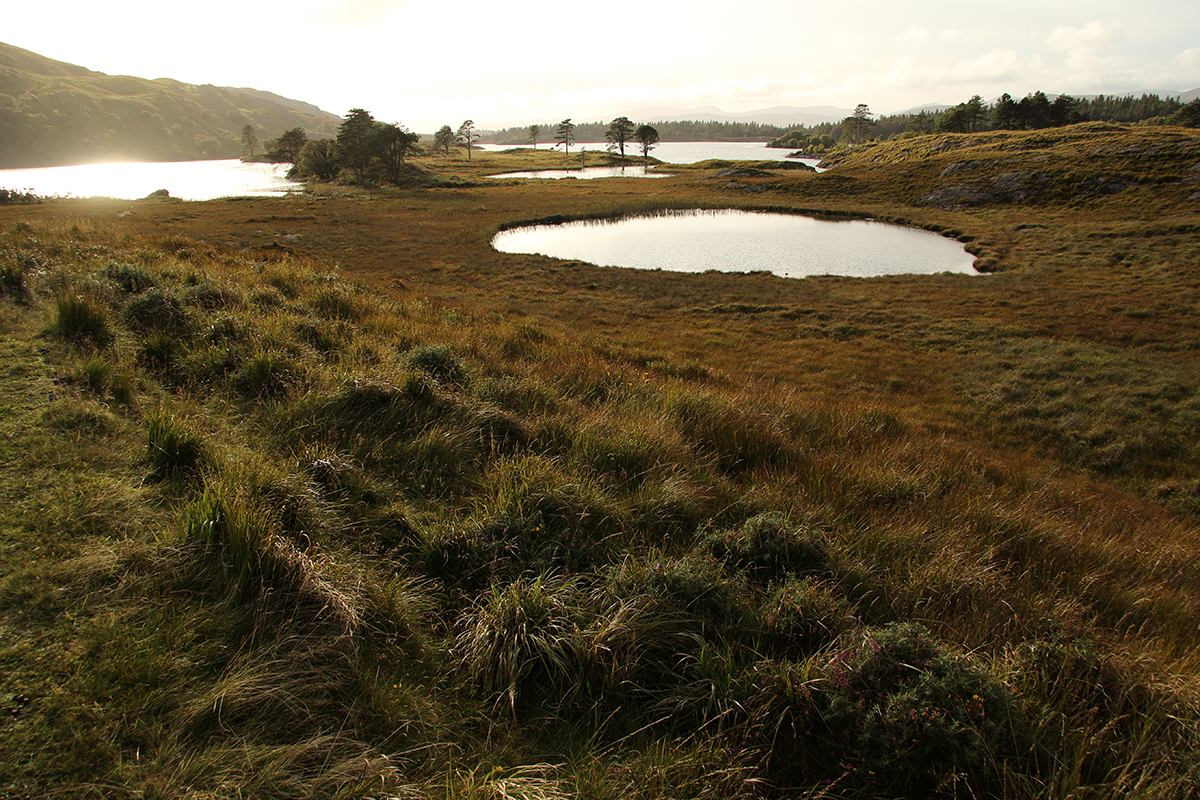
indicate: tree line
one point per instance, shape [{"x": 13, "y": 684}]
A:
[
  {"x": 677, "y": 131},
  {"x": 1034, "y": 111}
]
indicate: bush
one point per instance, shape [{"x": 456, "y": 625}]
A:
[{"x": 906, "y": 718}]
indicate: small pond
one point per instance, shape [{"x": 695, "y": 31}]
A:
[
  {"x": 585, "y": 174},
  {"x": 788, "y": 245}
]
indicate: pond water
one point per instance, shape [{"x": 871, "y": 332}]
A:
[
  {"x": 586, "y": 173},
  {"x": 187, "y": 180},
  {"x": 683, "y": 152},
  {"x": 741, "y": 241}
]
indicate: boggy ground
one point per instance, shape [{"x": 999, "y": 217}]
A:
[{"x": 321, "y": 496}]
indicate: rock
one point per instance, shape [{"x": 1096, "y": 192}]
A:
[{"x": 158, "y": 194}]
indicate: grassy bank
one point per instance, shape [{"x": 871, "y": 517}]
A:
[{"x": 321, "y": 496}]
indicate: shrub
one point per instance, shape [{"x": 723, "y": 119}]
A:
[
  {"x": 81, "y": 319},
  {"x": 906, "y": 718}
]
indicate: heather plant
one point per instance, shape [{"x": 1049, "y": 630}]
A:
[{"x": 906, "y": 717}]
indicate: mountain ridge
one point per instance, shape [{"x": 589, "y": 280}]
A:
[{"x": 54, "y": 113}]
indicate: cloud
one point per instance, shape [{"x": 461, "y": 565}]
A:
[
  {"x": 352, "y": 13},
  {"x": 1189, "y": 60},
  {"x": 1093, "y": 35},
  {"x": 914, "y": 36}
]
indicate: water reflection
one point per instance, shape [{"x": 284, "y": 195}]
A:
[
  {"x": 741, "y": 241},
  {"x": 187, "y": 180},
  {"x": 683, "y": 152},
  {"x": 584, "y": 174}
]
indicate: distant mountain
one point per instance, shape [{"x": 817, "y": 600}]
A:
[{"x": 54, "y": 113}]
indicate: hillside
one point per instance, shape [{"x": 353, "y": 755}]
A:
[
  {"x": 54, "y": 113},
  {"x": 322, "y": 496}
]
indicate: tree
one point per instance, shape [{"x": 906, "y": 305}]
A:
[
  {"x": 974, "y": 113},
  {"x": 1034, "y": 111},
  {"x": 443, "y": 139},
  {"x": 466, "y": 135},
  {"x": 391, "y": 143},
  {"x": 1006, "y": 115},
  {"x": 619, "y": 132},
  {"x": 647, "y": 137},
  {"x": 1066, "y": 110},
  {"x": 318, "y": 159},
  {"x": 354, "y": 142},
  {"x": 534, "y": 132},
  {"x": 249, "y": 141},
  {"x": 288, "y": 146},
  {"x": 856, "y": 125},
  {"x": 1188, "y": 116},
  {"x": 564, "y": 134}
]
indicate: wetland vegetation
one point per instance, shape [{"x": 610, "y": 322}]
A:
[{"x": 322, "y": 496}]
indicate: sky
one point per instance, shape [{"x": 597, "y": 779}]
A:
[{"x": 427, "y": 64}]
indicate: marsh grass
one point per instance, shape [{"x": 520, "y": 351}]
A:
[{"x": 719, "y": 537}]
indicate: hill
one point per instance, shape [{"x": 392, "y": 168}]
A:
[{"x": 54, "y": 113}]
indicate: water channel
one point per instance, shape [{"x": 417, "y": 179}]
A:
[{"x": 788, "y": 245}]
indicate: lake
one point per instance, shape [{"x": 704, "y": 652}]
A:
[
  {"x": 682, "y": 152},
  {"x": 587, "y": 173},
  {"x": 788, "y": 245},
  {"x": 187, "y": 180},
  {"x": 209, "y": 180}
]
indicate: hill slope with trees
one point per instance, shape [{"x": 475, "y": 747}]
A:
[{"x": 54, "y": 113}]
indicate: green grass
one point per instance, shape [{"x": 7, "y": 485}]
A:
[{"x": 281, "y": 535}]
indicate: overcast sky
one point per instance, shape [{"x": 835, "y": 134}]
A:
[{"x": 426, "y": 64}]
